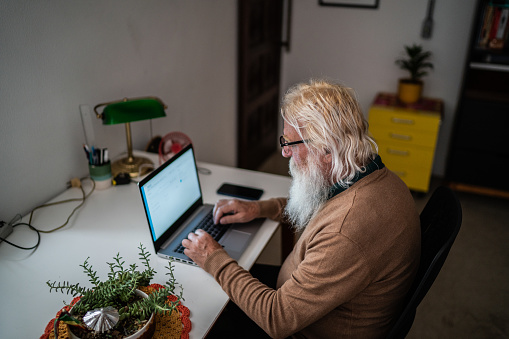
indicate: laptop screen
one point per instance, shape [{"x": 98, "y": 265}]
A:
[{"x": 170, "y": 191}]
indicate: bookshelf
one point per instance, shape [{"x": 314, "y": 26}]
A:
[{"x": 479, "y": 149}]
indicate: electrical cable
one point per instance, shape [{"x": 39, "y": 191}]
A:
[
  {"x": 84, "y": 197},
  {"x": 73, "y": 183},
  {"x": 21, "y": 247}
]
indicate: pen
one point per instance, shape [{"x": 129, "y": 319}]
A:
[
  {"x": 87, "y": 152},
  {"x": 96, "y": 156}
]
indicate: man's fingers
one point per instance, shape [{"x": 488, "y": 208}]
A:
[
  {"x": 228, "y": 218},
  {"x": 222, "y": 208},
  {"x": 200, "y": 232},
  {"x": 199, "y": 245},
  {"x": 218, "y": 205}
]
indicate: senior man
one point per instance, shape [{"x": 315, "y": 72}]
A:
[{"x": 359, "y": 249}]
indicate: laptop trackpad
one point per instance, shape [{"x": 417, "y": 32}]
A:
[{"x": 235, "y": 240}]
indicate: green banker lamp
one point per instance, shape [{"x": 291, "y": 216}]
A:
[{"x": 124, "y": 112}]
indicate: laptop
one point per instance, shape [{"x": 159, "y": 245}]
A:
[{"x": 174, "y": 207}]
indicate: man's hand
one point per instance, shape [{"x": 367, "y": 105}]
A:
[
  {"x": 199, "y": 246},
  {"x": 229, "y": 211}
]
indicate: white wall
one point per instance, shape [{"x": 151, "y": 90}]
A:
[
  {"x": 358, "y": 47},
  {"x": 58, "y": 54}
]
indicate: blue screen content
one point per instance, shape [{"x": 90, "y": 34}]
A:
[{"x": 171, "y": 192}]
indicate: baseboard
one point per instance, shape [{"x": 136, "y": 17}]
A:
[{"x": 478, "y": 190}]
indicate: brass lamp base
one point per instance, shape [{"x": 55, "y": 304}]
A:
[{"x": 135, "y": 166}]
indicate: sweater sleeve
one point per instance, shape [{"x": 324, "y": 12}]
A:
[
  {"x": 332, "y": 263},
  {"x": 272, "y": 208}
]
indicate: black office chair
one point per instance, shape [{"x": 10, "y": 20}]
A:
[{"x": 440, "y": 223}]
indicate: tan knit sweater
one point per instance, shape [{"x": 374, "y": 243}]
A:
[{"x": 347, "y": 274}]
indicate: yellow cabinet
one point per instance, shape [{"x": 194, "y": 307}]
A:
[{"x": 406, "y": 135}]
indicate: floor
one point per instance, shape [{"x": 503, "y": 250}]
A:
[{"x": 470, "y": 297}]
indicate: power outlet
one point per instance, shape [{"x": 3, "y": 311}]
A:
[{"x": 5, "y": 230}]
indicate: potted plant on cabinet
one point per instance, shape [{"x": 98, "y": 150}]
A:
[
  {"x": 116, "y": 308},
  {"x": 416, "y": 61}
]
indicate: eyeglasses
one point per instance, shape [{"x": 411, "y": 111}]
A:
[{"x": 283, "y": 142}]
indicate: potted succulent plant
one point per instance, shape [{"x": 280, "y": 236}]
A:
[
  {"x": 115, "y": 308},
  {"x": 416, "y": 61}
]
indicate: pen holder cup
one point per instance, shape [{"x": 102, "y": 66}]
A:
[{"x": 101, "y": 175}]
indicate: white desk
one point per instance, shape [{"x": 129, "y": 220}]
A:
[{"x": 111, "y": 221}]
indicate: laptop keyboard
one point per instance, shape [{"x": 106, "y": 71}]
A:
[{"x": 207, "y": 224}]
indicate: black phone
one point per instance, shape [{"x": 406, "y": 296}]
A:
[{"x": 237, "y": 191}]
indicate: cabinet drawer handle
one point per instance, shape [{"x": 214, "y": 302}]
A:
[
  {"x": 403, "y": 121},
  {"x": 398, "y": 152},
  {"x": 401, "y": 136}
]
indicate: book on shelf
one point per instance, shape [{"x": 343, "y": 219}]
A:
[
  {"x": 494, "y": 28},
  {"x": 500, "y": 36},
  {"x": 484, "y": 37},
  {"x": 502, "y": 23}
]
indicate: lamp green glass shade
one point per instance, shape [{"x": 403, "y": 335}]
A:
[
  {"x": 132, "y": 110},
  {"x": 124, "y": 112}
]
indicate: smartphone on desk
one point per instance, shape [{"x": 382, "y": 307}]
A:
[{"x": 237, "y": 191}]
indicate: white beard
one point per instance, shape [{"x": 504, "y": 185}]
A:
[{"x": 308, "y": 192}]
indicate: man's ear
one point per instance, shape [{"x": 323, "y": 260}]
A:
[{"x": 327, "y": 157}]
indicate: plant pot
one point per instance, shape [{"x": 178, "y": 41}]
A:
[
  {"x": 145, "y": 332},
  {"x": 409, "y": 91}
]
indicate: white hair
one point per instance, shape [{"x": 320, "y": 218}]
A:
[{"x": 328, "y": 115}]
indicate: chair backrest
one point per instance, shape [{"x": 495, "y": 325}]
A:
[{"x": 440, "y": 224}]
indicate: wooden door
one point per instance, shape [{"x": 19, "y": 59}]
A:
[{"x": 260, "y": 24}]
